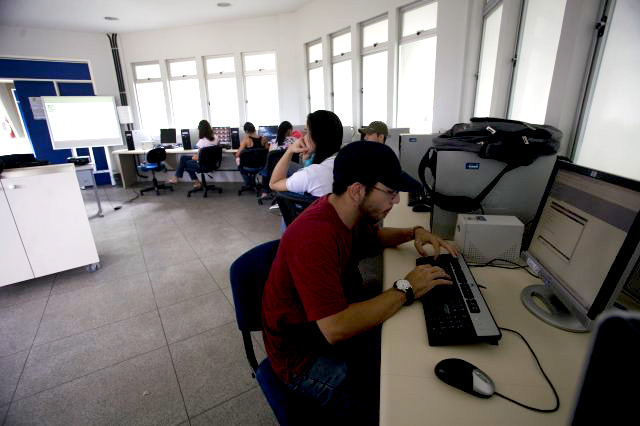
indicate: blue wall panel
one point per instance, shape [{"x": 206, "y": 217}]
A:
[{"x": 47, "y": 70}]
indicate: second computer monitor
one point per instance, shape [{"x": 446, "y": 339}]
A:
[
  {"x": 223, "y": 134},
  {"x": 270, "y": 132},
  {"x": 167, "y": 136}
]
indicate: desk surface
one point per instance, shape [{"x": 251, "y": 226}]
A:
[
  {"x": 169, "y": 151},
  {"x": 410, "y": 392}
]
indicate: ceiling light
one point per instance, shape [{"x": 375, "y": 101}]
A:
[
  {"x": 224, "y": 4},
  {"x": 111, "y": 18}
]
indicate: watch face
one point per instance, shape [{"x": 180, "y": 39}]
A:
[{"x": 403, "y": 285}]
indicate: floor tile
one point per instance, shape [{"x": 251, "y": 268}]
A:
[
  {"x": 140, "y": 391},
  {"x": 81, "y": 310},
  {"x": 3, "y": 412},
  {"x": 26, "y": 291},
  {"x": 10, "y": 370},
  {"x": 58, "y": 362},
  {"x": 161, "y": 255},
  {"x": 250, "y": 408},
  {"x": 116, "y": 265},
  {"x": 18, "y": 326},
  {"x": 212, "y": 368},
  {"x": 193, "y": 316},
  {"x": 176, "y": 283},
  {"x": 218, "y": 266}
]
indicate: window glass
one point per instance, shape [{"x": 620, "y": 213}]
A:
[
  {"x": 341, "y": 44},
  {"x": 342, "y": 92},
  {"x": 374, "y": 87},
  {"x": 375, "y": 33},
  {"x": 146, "y": 71},
  {"x": 185, "y": 100},
  {"x": 262, "y": 100},
  {"x": 182, "y": 68},
  {"x": 151, "y": 106},
  {"x": 220, "y": 65},
  {"x": 261, "y": 61},
  {"x": 416, "y": 79},
  {"x": 536, "y": 60},
  {"x": 223, "y": 102},
  {"x": 314, "y": 53},
  {"x": 316, "y": 89},
  {"x": 487, "y": 66},
  {"x": 420, "y": 19}
]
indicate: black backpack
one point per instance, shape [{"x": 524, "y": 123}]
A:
[{"x": 515, "y": 143}]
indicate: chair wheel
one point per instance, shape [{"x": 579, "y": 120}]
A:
[
  {"x": 142, "y": 194},
  {"x": 205, "y": 195},
  {"x": 188, "y": 195},
  {"x": 219, "y": 190},
  {"x": 171, "y": 188},
  {"x": 239, "y": 192}
]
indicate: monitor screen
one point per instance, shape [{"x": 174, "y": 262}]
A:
[
  {"x": 270, "y": 132},
  {"x": 167, "y": 136},
  {"x": 223, "y": 134},
  {"x": 587, "y": 231}
]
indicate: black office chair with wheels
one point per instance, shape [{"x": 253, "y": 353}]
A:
[
  {"x": 248, "y": 275},
  {"x": 291, "y": 204},
  {"x": 252, "y": 160},
  {"x": 272, "y": 159},
  {"x": 155, "y": 163},
  {"x": 209, "y": 160}
]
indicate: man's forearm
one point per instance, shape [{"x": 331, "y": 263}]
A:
[
  {"x": 391, "y": 237},
  {"x": 279, "y": 172}
]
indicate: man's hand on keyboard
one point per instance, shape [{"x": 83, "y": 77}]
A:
[
  {"x": 422, "y": 236},
  {"x": 425, "y": 277}
]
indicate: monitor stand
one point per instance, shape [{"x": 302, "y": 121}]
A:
[{"x": 556, "y": 313}]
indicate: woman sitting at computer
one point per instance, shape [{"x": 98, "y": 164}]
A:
[{"x": 190, "y": 163}]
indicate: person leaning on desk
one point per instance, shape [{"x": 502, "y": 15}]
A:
[
  {"x": 319, "y": 330},
  {"x": 190, "y": 164}
]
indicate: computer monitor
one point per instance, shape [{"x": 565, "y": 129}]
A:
[
  {"x": 584, "y": 245},
  {"x": 223, "y": 134},
  {"x": 270, "y": 132},
  {"x": 167, "y": 136}
]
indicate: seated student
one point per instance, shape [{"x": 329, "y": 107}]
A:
[
  {"x": 190, "y": 164},
  {"x": 318, "y": 330},
  {"x": 283, "y": 138},
  {"x": 251, "y": 140},
  {"x": 318, "y": 149},
  {"x": 377, "y": 131}
]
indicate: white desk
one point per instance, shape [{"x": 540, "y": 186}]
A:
[
  {"x": 127, "y": 164},
  {"x": 410, "y": 392}
]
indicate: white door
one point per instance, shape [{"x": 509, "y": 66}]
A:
[
  {"x": 52, "y": 221},
  {"x": 14, "y": 265}
]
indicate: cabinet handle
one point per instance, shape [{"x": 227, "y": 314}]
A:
[{"x": 12, "y": 186}]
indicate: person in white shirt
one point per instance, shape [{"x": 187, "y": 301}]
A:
[
  {"x": 190, "y": 163},
  {"x": 318, "y": 149}
]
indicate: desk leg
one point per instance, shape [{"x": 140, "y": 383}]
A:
[{"x": 95, "y": 191}]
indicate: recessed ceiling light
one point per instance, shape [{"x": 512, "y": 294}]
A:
[
  {"x": 111, "y": 18},
  {"x": 224, "y": 4}
]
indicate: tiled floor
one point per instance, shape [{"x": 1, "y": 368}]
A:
[{"x": 151, "y": 337}]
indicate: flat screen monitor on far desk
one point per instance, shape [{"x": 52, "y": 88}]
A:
[
  {"x": 168, "y": 136},
  {"x": 584, "y": 246},
  {"x": 268, "y": 132}
]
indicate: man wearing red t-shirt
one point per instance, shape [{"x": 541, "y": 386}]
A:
[{"x": 318, "y": 328}]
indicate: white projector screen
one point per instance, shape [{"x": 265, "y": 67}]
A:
[{"x": 82, "y": 121}]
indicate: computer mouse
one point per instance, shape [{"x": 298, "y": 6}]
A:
[
  {"x": 421, "y": 208},
  {"x": 465, "y": 376}
]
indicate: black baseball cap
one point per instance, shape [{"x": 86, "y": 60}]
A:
[{"x": 369, "y": 163}]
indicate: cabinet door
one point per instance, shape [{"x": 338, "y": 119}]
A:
[
  {"x": 14, "y": 265},
  {"x": 52, "y": 221}
]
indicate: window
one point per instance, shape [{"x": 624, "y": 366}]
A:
[
  {"x": 342, "y": 93},
  {"x": 261, "y": 88},
  {"x": 417, "y": 65},
  {"x": 608, "y": 135},
  {"x": 375, "y": 37},
  {"x": 222, "y": 92},
  {"x": 487, "y": 64},
  {"x": 150, "y": 97},
  {"x": 536, "y": 59},
  {"x": 315, "y": 76},
  {"x": 185, "y": 93}
]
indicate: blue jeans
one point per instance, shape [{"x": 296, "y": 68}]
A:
[
  {"x": 346, "y": 383},
  {"x": 245, "y": 172},
  {"x": 189, "y": 165}
]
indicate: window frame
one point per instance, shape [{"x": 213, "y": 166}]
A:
[
  {"x": 219, "y": 75},
  {"x": 313, "y": 65},
  {"x": 254, "y": 73},
  {"x": 368, "y": 51},
  {"x": 335, "y": 59}
]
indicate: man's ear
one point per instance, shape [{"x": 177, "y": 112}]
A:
[{"x": 356, "y": 192}]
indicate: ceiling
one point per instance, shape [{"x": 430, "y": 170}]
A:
[{"x": 133, "y": 15}]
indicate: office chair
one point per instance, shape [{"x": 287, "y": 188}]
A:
[
  {"x": 248, "y": 275},
  {"x": 154, "y": 163},
  {"x": 209, "y": 160},
  {"x": 291, "y": 204},
  {"x": 272, "y": 159},
  {"x": 252, "y": 160}
]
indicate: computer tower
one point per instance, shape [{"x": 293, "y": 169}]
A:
[
  {"x": 128, "y": 135},
  {"x": 186, "y": 138},
  {"x": 235, "y": 138},
  {"x": 411, "y": 148}
]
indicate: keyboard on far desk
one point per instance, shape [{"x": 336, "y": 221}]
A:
[{"x": 457, "y": 314}]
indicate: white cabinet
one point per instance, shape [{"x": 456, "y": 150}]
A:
[
  {"x": 14, "y": 265},
  {"x": 49, "y": 217}
]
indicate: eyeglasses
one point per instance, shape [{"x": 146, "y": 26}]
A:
[{"x": 390, "y": 193}]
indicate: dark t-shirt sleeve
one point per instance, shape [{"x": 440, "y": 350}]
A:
[{"x": 316, "y": 272}]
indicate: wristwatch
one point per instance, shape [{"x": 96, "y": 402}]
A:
[{"x": 405, "y": 287}]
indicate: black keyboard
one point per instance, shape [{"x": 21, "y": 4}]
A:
[{"x": 457, "y": 314}]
